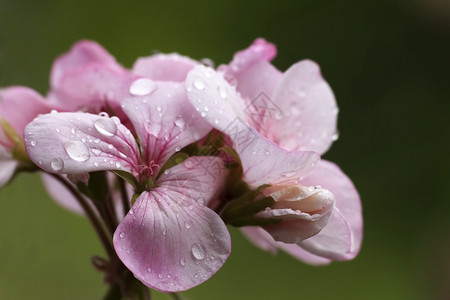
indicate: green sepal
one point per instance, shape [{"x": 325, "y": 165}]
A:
[
  {"x": 127, "y": 177},
  {"x": 97, "y": 187}
]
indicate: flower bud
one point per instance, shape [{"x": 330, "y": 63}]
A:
[{"x": 303, "y": 211}]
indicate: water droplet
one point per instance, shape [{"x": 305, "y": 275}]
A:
[
  {"x": 158, "y": 108},
  {"x": 167, "y": 171},
  {"x": 182, "y": 262},
  {"x": 200, "y": 85},
  {"x": 96, "y": 164},
  {"x": 266, "y": 152},
  {"x": 118, "y": 165},
  {"x": 206, "y": 108},
  {"x": 149, "y": 269},
  {"x": 203, "y": 114},
  {"x": 178, "y": 148},
  {"x": 209, "y": 63},
  {"x": 188, "y": 164},
  {"x": 216, "y": 121},
  {"x": 198, "y": 251},
  {"x": 222, "y": 92},
  {"x": 187, "y": 225},
  {"x": 164, "y": 232},
  {"x": 103, "y": 114},
  {"x": 58, "y": 130},
  {"x": 142, "y": 87},
  {"x": 335, "y": 136},
  {"x": 53, "y": 111},
  {"x": 77, "y": 151},
  {"x": 107, "y": 127},
  {"x": 96, "y": 151},
  {"x": 33, "y": 143},
  {"x": 201, "y": 201},
  {"x": 179, "y": 122},
  {"x": 160, "y": 276},
  {"x": 131, "y": 211},
  {"x": 57, "y": 164},
  {"x": 122, "y": 235}
]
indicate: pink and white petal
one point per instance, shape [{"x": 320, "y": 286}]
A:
[
  {"x": 91, "y": 87},
  {"x": 330, "y": 176},
  {"x": 214, "y": 98},
  {"x": 296, "y": 226},
  {"x": 163, "y": 118},
  {"x": 260, "y": 238},
  {"x": 309, "y": 111},
  {"x": 18, "y": 106},
  {"x": 59, "y": 193},
  {"x": 263, "y": 240},
  {"x": 200, "y": 178},
  {"x": 259, "y": 50},
  {"x": 7, "y": 166},
  {"x": 164, "y": 67},
  {"x": 170, "y": 243},
  {"x": 303, "y": 255},
  {"x": 222, "y": 107},
  {"x": 259, "y": 79},
  {"x": 334, "y": 241},
  {"x": 82, "y": 53},
  {"x": 74, "y": 143}
]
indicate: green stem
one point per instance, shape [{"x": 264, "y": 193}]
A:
[
  {"x": 90, "y": 215},
  {"x": 124, "y": 194}
]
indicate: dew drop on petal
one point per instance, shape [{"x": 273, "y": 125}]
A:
[
  {"x": 335, "y": 136},
  {"x": 57, "y": 164},
  {"x": 200, "y": 85},
  {"x": 33, "y": 143},
  {"x": 198, "y": 251},
  {"x": 142, "y": 87},
  {"x": 179, "y": 122},
  {"x": 96, "y": 151},
  {"x": 122, "y": 235},
  {"x": 149, "y": 269},
  {"x": 182, "y": 262},
  {"x": 187, "y": 225},
  {"x": 222, "y": 92},
  {"x": 77, "y": 151},
  {"x": 106, "y": 127}
]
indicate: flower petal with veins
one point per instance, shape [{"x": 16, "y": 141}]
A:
[
  {"x": 169, "y": 239},
  {"x": 74, "y": 143}
]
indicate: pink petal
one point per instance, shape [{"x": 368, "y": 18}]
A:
[
  {"x": 7, "y": 166},
  {"x": 163, "y": 118},
  {"x": 348, "y": 216},
  {"x": 263, "y": 160},
  {"x": 334, "y": 241},
  {"x": 260, "y": 238},
  {"x": 309, "y": 111},
  {"x": 296, "y": 225},
  {"x": 19, "y": 106},
  {"x": 260, "y": 50},
  {"x": 91, "y": 87},
  {"x": 169, "y": 239},
  {"x": 74, "y": 143},
  {"x": 60, "y": 194},
  {"x": 82, "y": 53},
  {"x": 264, "y": 240},
  {"x": 259, "y": 79},
  {"x": 164, "y": 67}
]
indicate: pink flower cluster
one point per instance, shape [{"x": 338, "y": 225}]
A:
[{"x": 199, "y": 148}]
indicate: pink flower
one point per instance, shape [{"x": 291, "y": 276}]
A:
[
  {"x": 18, "y": 106},
  {"x": 169, "y": 239},
  {"x": 278, "y": 124}
]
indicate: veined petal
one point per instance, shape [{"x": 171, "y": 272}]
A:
[
  {"x": 309, "y": 111},
  {"x": 82, "y": 53},
  {"x": 91, "y": 87},
  {"x": 346, "y": 221},
  {"x": 171, "y": 243},
  {"x": 74, "y": 143},
  {"x": 164, "y": 67},
  {"x": 199, "y": 178},
  {"x": 163, "y": 118},
  {"x": 263, "y": 160},
  {"x": 18, "y": 106}
]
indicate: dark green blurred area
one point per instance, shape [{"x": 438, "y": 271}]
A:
[{"x": 388, "y": 64}]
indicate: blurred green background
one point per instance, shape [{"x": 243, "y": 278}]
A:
[{"x": 388, "y": 64}]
